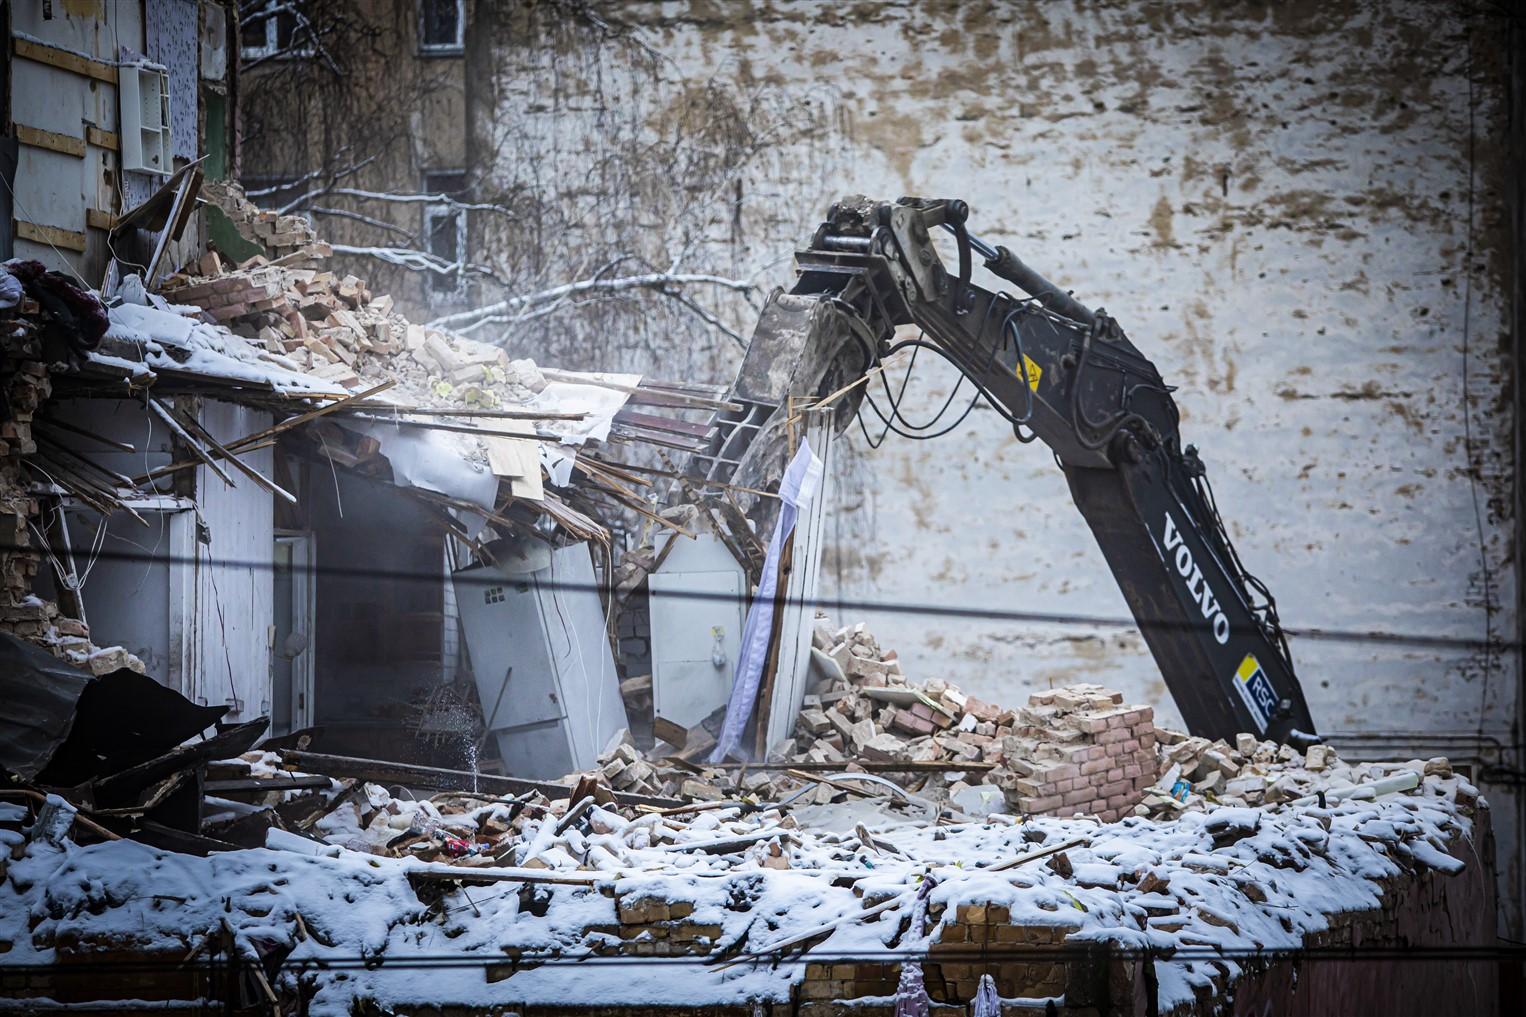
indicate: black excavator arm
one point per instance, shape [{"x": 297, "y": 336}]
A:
[{"x": 1067, "y": 376}]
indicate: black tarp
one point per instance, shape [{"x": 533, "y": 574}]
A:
[{"x": 63, "y": 726}]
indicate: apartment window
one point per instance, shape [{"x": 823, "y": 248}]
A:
[
  {"x": 442, "y": 25},
  {"x": 274, "y": 28},
  {"x": 445, "y": 230}
]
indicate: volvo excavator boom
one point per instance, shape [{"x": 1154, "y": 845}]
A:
[{"x": 1061, "y": 374}]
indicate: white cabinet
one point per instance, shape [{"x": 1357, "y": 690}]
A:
[{"x": 143, "y": 92}]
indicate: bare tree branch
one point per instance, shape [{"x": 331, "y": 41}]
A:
[
  {"x": 337, "y": 175},
  {"x": 381, "y": 224},
  {"x": 705, "y": 316},
  {"x": 418, "y": 199},
  {"x": 661, "y": 281},
  {"x": 418, "y": 261}
]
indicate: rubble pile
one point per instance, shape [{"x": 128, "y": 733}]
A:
[
  {"x": 806, "y": 918},
  {"x": 278, "y": 234},
  {"x": 1077, "y": 749},
  {"x": 1199, "y": 775},
  {"x": 333, "y": 327},
  {"x": 322, "y": 323}
]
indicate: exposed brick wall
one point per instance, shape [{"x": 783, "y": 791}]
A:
[{"x": 24, "y": 381}]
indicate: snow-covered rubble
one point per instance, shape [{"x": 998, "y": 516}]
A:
[{"x": 724, "y": 884}]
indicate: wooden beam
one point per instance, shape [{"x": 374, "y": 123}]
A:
[
  {"x": 312, "y": 782},
  {"x": 63, "y": 144},
  {"x": 426, "y": 411},
  {"x": 867, "y": 765},
  {"x": 250, "y": 442},
  {"x": 102, "y": 138},
  {"x": 97, "y": 220},
  {"x": 190, "y": 442},
  {"x": 74, "y": 63},
  {"x": 50, "y": 235},
  {"x": 380, "y": 771},
  {"x": 253, "y": 474}
]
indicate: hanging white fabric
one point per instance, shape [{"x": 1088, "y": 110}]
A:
[
  {"x": 802, "y": 480},
  {"x": 987, "y": 999},
  {"x": 911, "y": 999}
]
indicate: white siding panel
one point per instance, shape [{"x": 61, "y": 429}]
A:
[{"x": 231, "y": 642}]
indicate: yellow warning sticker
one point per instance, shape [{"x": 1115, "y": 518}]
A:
[{"x": 1034, "y": 372}]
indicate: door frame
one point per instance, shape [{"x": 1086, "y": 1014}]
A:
[{"x": 303, "y": 544}]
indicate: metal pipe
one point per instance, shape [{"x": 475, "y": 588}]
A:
[{"x": 1010, "y": 267}]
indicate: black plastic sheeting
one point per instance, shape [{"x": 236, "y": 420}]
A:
[{"x": 62, "y": 726}]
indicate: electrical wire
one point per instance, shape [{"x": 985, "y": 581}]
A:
[{"x": 918, "y": 608}]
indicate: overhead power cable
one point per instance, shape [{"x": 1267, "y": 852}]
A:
[{"x": 486, "y": 578}]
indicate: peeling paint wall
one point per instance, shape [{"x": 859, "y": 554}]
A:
[{"x": 1282, "y": 206}]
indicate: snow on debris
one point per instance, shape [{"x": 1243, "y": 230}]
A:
[
  {"x": 163, "y": 339},
  {"x": 1231, "y": 877}
]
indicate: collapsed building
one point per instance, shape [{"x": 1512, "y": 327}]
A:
[
  {"x": 867, "y": 837},
  {"x": 344, "y": 649}
]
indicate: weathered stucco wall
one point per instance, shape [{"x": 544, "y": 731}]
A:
[{"x": 1282, "y": 205}]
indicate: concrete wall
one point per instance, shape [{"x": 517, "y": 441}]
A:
[{"x": 1282, "y": 205}]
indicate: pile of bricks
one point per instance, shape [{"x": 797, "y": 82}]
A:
[
  {"x": 276, "y": 233},
  {"x": 1080, "y": 749},
  {"x": 625, "y": 768},
  {"x": 1253, "y": 772},
  {"x": 1073, "y": 749},
  {"x": 334, "y": 328},
  {"x": 866, "y": 708},
  {"x": 322, "y": 323}
]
